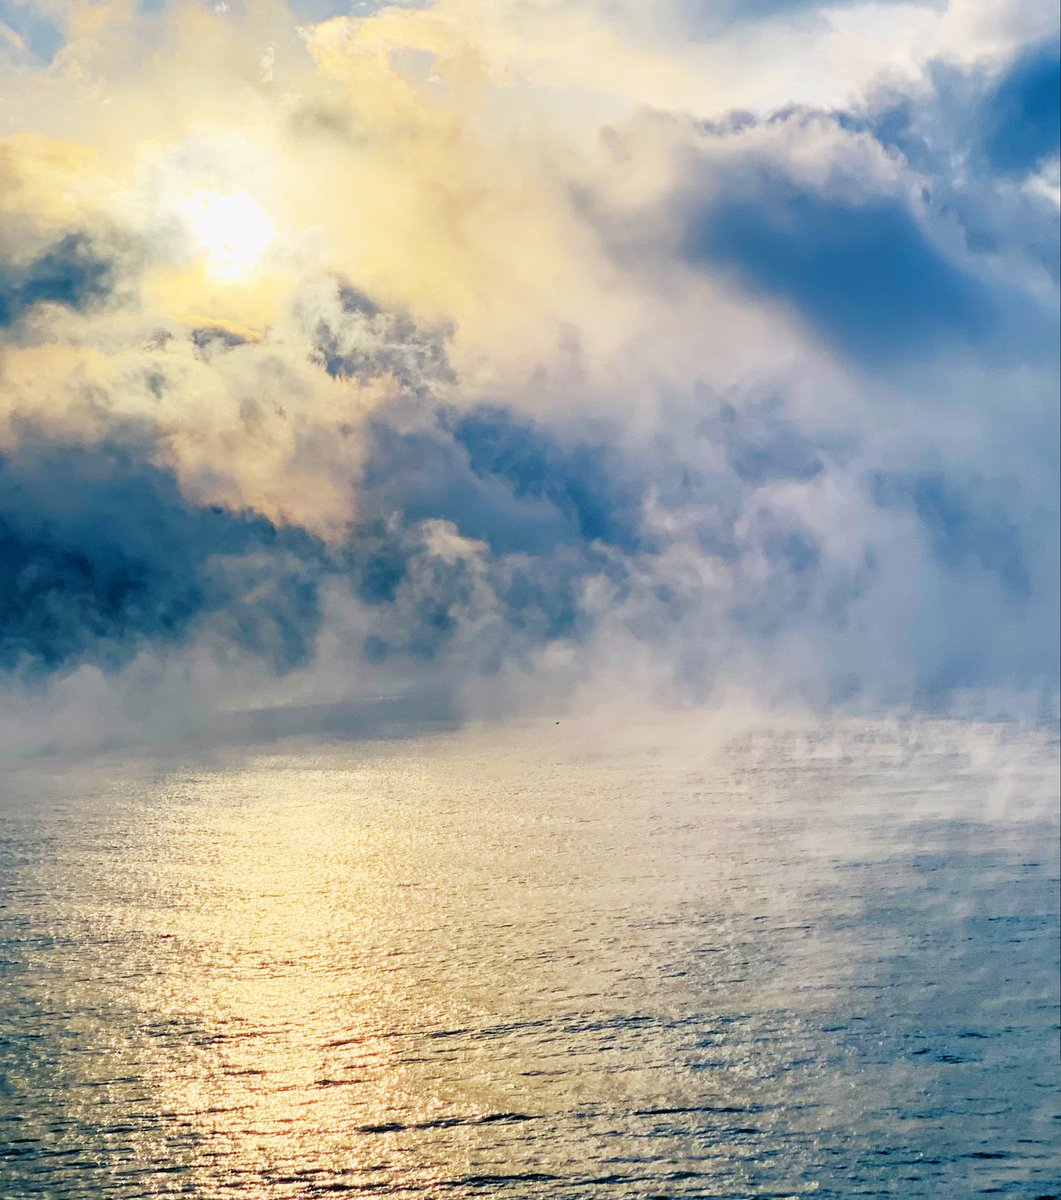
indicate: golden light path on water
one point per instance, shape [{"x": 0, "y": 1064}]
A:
[{"x": 521, "y": 964}]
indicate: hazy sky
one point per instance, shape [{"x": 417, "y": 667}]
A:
[{"x": 521, "y": 355}]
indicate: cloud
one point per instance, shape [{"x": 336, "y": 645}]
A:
[
  {"x": 582, "y": 482},
  {"x": 824, "y": 214},
  {"x": 942, "y": 128},
  {"x": 568, "y": 371},
  {"x": 69, "y": 272},
  {"x": 102, "y": 555},
  {"x": 865, "y": 275},
  {"x": 702, "y": 19},
  {"x": 1021, "y": 117},
  {"x": 964, "y": 529}
]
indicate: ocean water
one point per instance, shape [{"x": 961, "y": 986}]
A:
[{"x": 538, "y": 962}]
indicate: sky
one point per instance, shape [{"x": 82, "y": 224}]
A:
[{"x": 474, "y": 358}]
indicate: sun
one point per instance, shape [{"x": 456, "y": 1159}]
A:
[{"x": 233, "y": 230}]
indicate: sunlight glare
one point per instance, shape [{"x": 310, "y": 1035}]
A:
[{"x": 234, "y": 231}]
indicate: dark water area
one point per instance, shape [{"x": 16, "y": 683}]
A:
[{"x": 538, "y": 963}]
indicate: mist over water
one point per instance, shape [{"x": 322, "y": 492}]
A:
[{"x": 537, "y": 962}]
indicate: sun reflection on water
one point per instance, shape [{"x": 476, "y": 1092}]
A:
[{"x": 347, "y": 973}]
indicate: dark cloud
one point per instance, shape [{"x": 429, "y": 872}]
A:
[
  {"x": 761, "y": 443},
  {"x": 355, "y": 338},
  {"x": 71, "y": 272},
  {"x": 1021, "y": 115},
  {"x": 214, "y": 339},
  {"x": 500, "y": 478},
  {"x": 544, "y": 514},
  {"x": 423, "y": 474},
  {"x": 583, "y": 482},
  {"x": 963, "y": 527},
  {"x": 864, "y": 274},
  {"x": 962, "y": 138},
  {"x": 426, "y": 600},
  {"x": 100, "y": 554},
  {"x": 893, "y": 254}
]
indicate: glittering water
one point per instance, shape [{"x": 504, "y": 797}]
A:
[{"x": 529, "y": 964}]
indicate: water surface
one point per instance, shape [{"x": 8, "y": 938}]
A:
[{"x": 530, "y": 963}]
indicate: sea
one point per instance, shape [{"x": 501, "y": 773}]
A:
[{"x": 690, "y": 957}]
